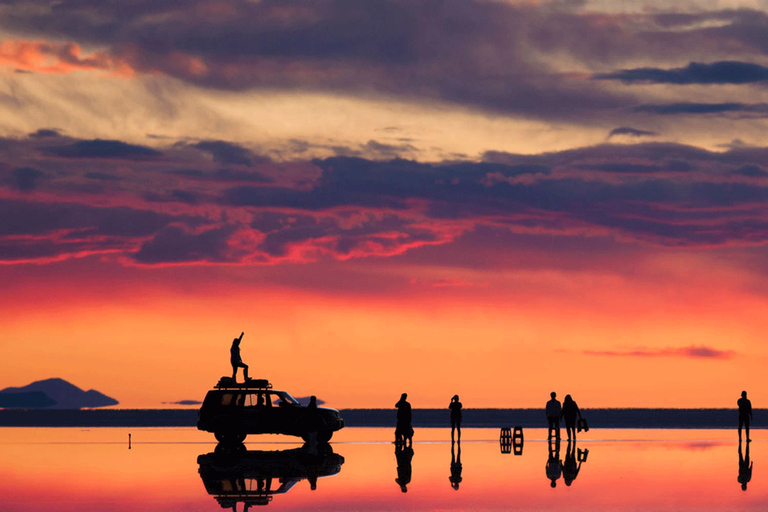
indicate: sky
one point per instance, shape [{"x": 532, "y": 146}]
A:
[{"x": 495, "y": 199}]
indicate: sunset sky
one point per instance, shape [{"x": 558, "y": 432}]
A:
[{"x": 491, "y": 198}]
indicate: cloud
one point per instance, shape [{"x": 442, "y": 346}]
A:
[
  {"x": 44, "y": 133},
  {"x": 224, "y": 175},
  {"x": 725, "y": 72},
  {"x": 99, "y": 148},
  {"x": 184, "y": 402},
  {"x": 183, "y": 209},
  {"x": 760, "y": 109},
  {"x": 177, "y": 245},
  {"x": 751, "y": 170},
  {"x": 25, "y": 179},
  {"x": 694, "y": 352},
  {"x": 389, "y": 48},
  {"x": 632, "y": 132},
  {"x": 48, "y": 57},
  {"x": 229, "y": 154}
]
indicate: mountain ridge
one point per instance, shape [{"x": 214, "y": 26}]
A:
[{"x": 60, "y": 394}]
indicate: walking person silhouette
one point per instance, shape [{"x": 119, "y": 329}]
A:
[
  {"x": 570, "y": 412},
  {"x": 236, "y": 360},
  {"x": 455, "y": 407}
]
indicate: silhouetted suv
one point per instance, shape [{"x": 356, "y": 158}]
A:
[{"x": 232, "y": 411}]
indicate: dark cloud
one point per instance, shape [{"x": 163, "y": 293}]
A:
[
  {"x": 704, "y": 108},
  {"x": 44, "y": 133},
  {"x": 31, "y": 230},
  {"x": 177, "y": 245},
  {"x": 652, "y": 194},
  {"x": 472, "y": 53},
  {"x": 99, "y": 148},
  {"x": 31, "y": 218},
  {"x": 101, "y": 176},
  {"x": 725, "y": 72},
  {"x": 25, "y": 179},
  {"x": 184, "y": 402},
  {"x": 695, "y": 352},
  {"x": 229, "y": 154},
  {"x": 633, "y": 132},
  {"x": 224, "y": 175},
  {"x": 754, "y": 171}
]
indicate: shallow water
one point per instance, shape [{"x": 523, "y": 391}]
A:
[{"x": 69, "y": 469}]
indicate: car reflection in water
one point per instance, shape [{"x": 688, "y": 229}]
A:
[{"x": 233, "y": 474}]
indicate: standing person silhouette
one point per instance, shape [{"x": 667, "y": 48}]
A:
[
  {"x": 404, "y": 430},
  {"x": 554, "y": 411},
  {"x": 455, "y": 407},
  {"x": 745, "y": 413},
  {"x": 570, "y": 411},
  {"x": 235, "y": 359}
]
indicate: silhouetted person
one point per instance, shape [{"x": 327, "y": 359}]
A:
[
  {"x": 455, "y": 407},
  {"x": 235, "y": 359},
  {"x": 554, "y": 411},
  {"x": 312, "y": 423},
  {"x": 745, "y": 468},
  {"x": 745, "y": 413},
  {"x": 554, "y": 464},
  {"x": 570, "y": 412},
  {"x": 404, "y": 430},
  {"x": 404, "y": 455},
  {"x": 571, "y": 467},
  {"x": 455, "y": 477}
]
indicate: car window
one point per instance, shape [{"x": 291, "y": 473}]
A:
[
  {"x": 286, "y": 399},
  {"x": 226, "y": 398}
]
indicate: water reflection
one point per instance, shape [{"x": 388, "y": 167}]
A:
[
  {"x": 554, "y": 466},
  {"x": 573, "y": 461},
  {"x": 745, "y": 467},
  {"x": 233, "y": 474},
  {"x": 455, "y": 477},
  {"x": 404, "y": 455}
]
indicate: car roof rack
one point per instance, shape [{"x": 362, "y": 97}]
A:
[{"x": 230, "y": 383}]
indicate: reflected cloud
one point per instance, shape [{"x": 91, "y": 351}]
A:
[{"x": 236, "y": 475}]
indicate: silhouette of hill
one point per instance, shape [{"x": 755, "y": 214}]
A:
[
  {"x": 53, "y": 394},
  {"x": 26, "y": 400}
]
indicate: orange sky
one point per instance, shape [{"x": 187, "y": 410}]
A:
[
  {"x": 502, "y": 339},
  {"x": 567, "y": 196}
]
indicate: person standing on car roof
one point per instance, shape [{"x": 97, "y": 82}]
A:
[{"x": 236, "y": 360}]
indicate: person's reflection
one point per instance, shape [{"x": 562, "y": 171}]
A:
[
  {"x": 571, "y": 467},
  {"x": 554, "y": 464},
  {"x": 745, "y": 468},
  {"x": 403, "y": 454},
  {"x": 455, "y": 477}
]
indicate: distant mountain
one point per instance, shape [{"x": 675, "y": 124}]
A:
[
  {"x": 59, "y": 393},
  {"x": 21, "y": 400}
]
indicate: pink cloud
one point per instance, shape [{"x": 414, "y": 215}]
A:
[{"x": 693, "y": 351}]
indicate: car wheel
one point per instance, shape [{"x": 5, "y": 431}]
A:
[
  {"x": 321, "y": 436},
  {"x": 229, "y": 431}
]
